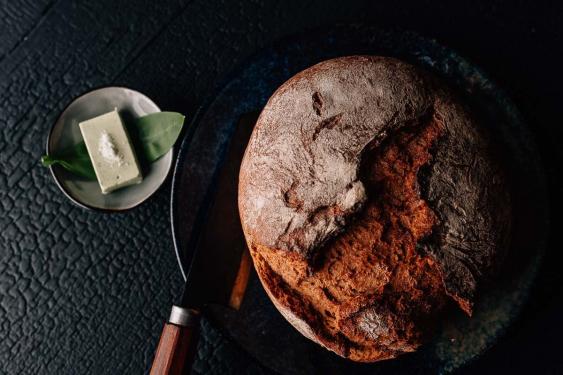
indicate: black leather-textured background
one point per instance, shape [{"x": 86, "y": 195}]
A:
[{"x": 86, "y": 292}]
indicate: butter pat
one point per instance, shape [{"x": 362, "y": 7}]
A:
[{"x": 111, "y": 152}]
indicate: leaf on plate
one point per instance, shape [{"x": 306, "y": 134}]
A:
[
  {"x": 156, "y": 133},
  {"x": 74, "y": 159}
]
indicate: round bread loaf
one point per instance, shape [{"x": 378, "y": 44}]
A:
[{"x": 370, "y": 199}]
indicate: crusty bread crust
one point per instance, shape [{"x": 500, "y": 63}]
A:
[{"x": 369, "y": 197}]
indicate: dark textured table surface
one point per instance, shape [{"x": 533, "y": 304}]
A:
[{"x": 86, "y": 292}]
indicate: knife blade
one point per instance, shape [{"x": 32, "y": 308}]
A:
[{"x": 220, "y": 266}]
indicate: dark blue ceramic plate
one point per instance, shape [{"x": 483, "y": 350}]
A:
[{"x": 258, "y": 327}]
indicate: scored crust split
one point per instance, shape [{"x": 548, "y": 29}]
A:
[{"x": 370, "y": 198}]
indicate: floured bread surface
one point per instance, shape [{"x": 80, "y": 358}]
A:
[{"x": 369, "y": 199}]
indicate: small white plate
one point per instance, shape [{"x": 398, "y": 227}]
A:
[{"x": 65, "y": 133}]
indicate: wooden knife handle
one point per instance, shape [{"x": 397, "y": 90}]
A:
[{"x": 178, "y": 343}]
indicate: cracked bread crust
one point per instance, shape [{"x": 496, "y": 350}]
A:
[
  {"x": 308, "y": 141},
  {"x": 352, "y": 250}
]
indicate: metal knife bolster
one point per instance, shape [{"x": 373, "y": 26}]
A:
[{"x": 183, "y": 316}]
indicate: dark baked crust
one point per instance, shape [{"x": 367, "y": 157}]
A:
[
  {"x": 467, "y": 188},
  {"x": 309, "y": 209}
]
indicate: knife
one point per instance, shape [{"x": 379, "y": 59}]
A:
[{"x": 219, "y": 269}]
